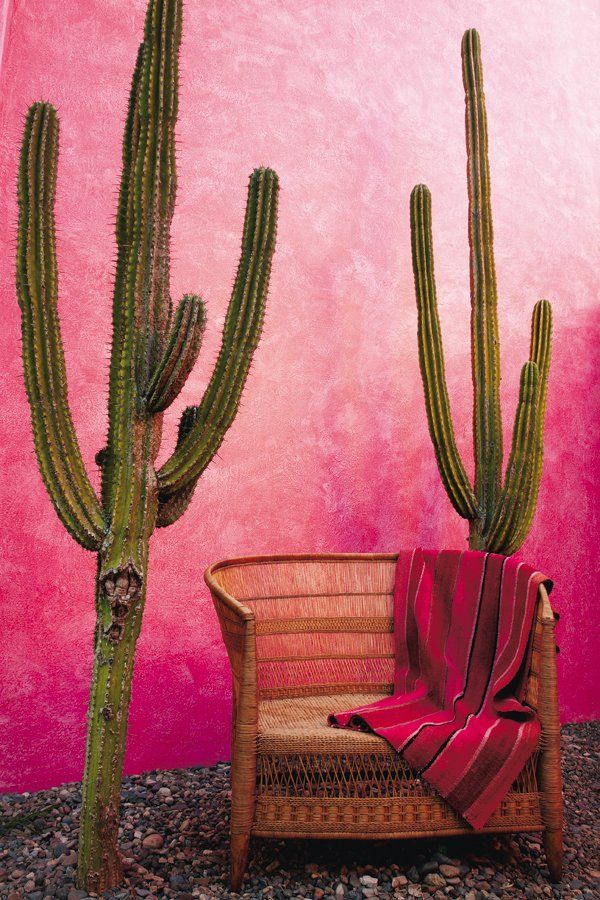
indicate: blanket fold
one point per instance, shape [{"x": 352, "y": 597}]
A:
[{"x": 463, "y": 636}]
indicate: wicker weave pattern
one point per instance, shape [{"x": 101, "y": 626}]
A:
[{"x": 310, "y": 634}]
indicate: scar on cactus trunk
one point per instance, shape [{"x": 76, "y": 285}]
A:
[
  {"x": 153, "y": 352},
  {"x": 499, "y": 513}
]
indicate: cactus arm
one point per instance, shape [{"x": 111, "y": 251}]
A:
[
  {"x": 241, "y": 333},
  {"x": 180, "y": 354},
  {"x": 142, "y": 295},
  {"x": 170, "y": 509},
  {"x": 431, "y": 359},
  {"x": 56, "y": 444},
  {"x": 515, "y": 498},
  {"x": 487, "y": 421},
  {"x": 540, "y": 354}
]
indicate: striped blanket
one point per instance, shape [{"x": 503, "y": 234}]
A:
[{"x": 463, "y": 628}]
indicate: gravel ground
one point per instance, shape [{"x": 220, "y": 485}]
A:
[{"x": 175, "y": 842}]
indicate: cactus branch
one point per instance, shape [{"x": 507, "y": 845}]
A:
[
  {"x": 431, "y": 359},
  {"x": 487, "y": 422},
  {"x": 180, "y": 354},
  {"x": 56, "y": 444},
  {"x": 241, "y": 334},
  {"x": 514, "y": 499},
  {"x": 540, "y": 353},
  {"x": 172, "y": 508}
]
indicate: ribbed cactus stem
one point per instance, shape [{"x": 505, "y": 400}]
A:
[
  {"x": 540, "y": 353},
  {"x": 512, "y": 502},
  {"x": 487, "y": 420},
  {"x": 56, "y": 444},
  {"x": 500, "y": 516},
  {"x": 431, "y": 359},
  {"x": 181, "y": 352},
  {"x": 152, "y": 354}
]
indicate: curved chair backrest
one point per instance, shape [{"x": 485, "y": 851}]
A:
[{"x": 323, "y": 624}]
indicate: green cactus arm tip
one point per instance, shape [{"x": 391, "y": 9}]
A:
[
  {"x": 56, "y": 444},
  {"x": 180, "y": 355},
  {"x": 487, "y": 420},
  {"x": 171, "y": 508},
  {"x": 431, "y": 359},
  {"x": 241, "y": 333},
  {"x": 515, "y": 498}
]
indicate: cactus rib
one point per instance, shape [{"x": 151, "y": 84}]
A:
[
  {"x": 180, "y": 355},
  {"x": 241, "y": 334},
  {"x": 431, "y": 359},
  {"x": 56, "y": 444}
]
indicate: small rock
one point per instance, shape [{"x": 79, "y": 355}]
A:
[
  {"x": 413, "y": 875},
  {"x": 340, "y": 890},
  {"x": 77, "y": 895},
  {"x": 368, "y": 881},
  {"x": 399, "y": 881},
  {"x": 153, "y": 841},
  {"x": 164, "y": 792},
  {"x": 69, "y": 859},
  {"x": 449, "y": 871},
  {"x": 435, "y": 880}
]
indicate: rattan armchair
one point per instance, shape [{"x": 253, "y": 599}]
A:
[{"x": 307, "y": 635}]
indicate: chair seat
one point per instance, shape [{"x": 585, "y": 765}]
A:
[
  {"x": 301, "y": 757},
  {"x": 299, "y": 725}
]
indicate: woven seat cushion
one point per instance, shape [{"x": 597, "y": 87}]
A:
[{"x": 299, "y": 725}]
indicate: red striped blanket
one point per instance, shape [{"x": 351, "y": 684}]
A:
[{"x": 463, "y": 626}]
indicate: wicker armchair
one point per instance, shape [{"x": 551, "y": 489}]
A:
[{"x": 307, "y": 635}]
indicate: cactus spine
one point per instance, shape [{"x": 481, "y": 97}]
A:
[
  {"x": 153, "y": 352},
  {"x": 499, "y": 514}
]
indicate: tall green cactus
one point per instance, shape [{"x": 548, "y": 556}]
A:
[
  {"x": 499, "y": 514},
  {"x": 153, "y": 352}
]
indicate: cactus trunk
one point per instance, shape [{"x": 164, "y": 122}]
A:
[
  {"x": 99, "y": 864},
  {"x": 153, "y": 352}
]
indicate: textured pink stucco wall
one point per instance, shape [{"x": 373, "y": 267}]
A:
[{"x": 353, "y": 102}]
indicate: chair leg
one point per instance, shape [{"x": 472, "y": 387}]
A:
[
  {"x": 549, "y": 769},
  {"x": 240, "y": 845},
  {"x": 243, "y": 789},
  {"x": 553, "y": 845}
]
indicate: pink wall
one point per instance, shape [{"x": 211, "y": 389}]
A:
[{"x": 352, "y": 103}]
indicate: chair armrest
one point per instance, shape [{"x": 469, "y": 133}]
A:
[
  {"x": 542, "y": 665},
  {"x": 238, "y": 631}
]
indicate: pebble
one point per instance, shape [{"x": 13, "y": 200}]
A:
[
  {"x": 174, "y": 836},
  {"x": 153, "y": 841}
]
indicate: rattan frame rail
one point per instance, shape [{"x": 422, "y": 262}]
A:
[{"x": 306, "y": 634}]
